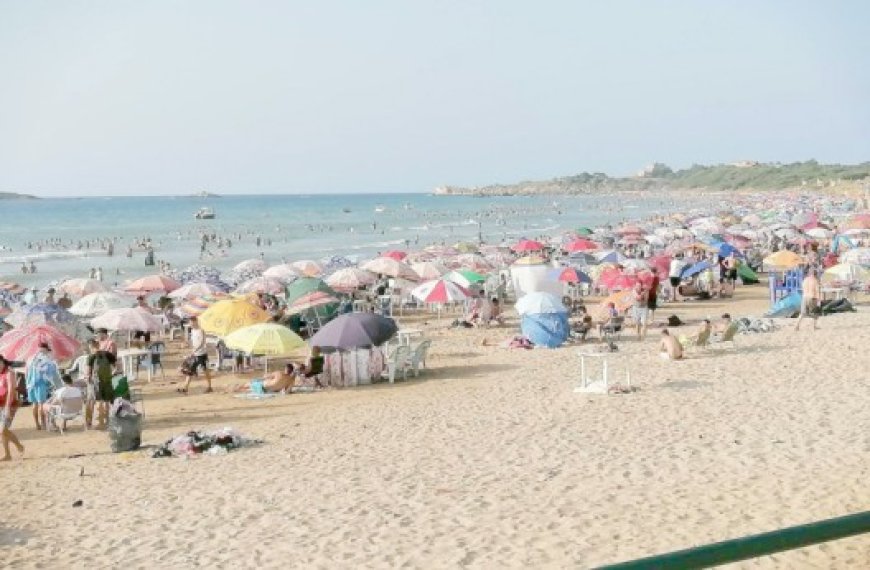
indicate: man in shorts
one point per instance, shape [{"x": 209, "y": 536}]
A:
[
  {"x": 639, "y": 310},
  {"x": 675, "y": 275},
  {"x": 101, "y": 366},
  {"x": 199, "y": 354},
  {"x": 811, "y": 299}
]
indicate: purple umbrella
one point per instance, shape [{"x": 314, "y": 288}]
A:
[{"x": 354, "y": 330}]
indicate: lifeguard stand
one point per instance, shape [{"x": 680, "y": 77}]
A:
[{"x": 784, "y": 283}]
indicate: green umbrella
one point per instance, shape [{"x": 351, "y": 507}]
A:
[
  {"x": 583, "y": 231},
  {"x": 304, "y": 286},
  {"x": 472, "y": 276}
]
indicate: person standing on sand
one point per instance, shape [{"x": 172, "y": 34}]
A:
[
  {"x": 639, "y": 310},
  {"x": 8, "y": 407},
  {"x": 811, "y": 299},
  {"x": 675, "y": 275},
  {"x": 42, "y": 377},
  {"x": 652, "y": 294},
  {"x": 200, "y": 353}
]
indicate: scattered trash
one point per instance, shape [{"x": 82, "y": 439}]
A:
[
  {"x": 125, "y": 426},
  {"x": 192, "y": 443},
  {"x": 78, "y": 503}
]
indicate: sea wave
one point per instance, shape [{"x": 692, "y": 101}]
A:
[{"x": 45, "y": 255}]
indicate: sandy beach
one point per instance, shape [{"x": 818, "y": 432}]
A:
[{"x": 488, "y": 460}]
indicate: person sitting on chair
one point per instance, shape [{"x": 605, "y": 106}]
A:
[
  {"x": 608, "y": 323},
  {"x": 272, "y": 383},
  {"x": 65, "y": 392},
  {"x": 313, "y": 366}
]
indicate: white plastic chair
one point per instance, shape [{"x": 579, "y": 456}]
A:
[
  {"x": 418, "y": 357},
  {"x": 398, "y": 361}
]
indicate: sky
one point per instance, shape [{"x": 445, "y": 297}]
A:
[{"x": 124, "y": 97}]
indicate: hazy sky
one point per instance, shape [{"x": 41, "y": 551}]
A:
[{"x": 141, "y": 97}]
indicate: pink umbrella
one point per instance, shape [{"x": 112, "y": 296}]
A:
[
  {"x": 580, "y": 244},
  {"x": 82, "y": 287},
  {"x": 661, "y": 262},
  {"x": 21, "y": 344},
  {"x": 395, "y": 254},
  {"x": 391, "y": 267},
  {"x": 261, "y": 284},
  {"x": 350, "y": 278},
  {"x": 307, "y": 267},
  {"x": 571, "y": 275},
  {"x": 526, "y": 245},
  {"x": 152, "y": 284},
  {"x": 429, "y": 270},
  {"x": 440, "y": 291},
  {"x": 625, "y": 230},
  {"x": 132, "y": 319},
  {"x": 624, "y": 281}
]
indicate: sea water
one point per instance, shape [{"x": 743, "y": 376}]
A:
[{"x": 289, "y": 227}]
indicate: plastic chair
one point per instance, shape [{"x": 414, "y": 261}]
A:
[
  {"x": 67, "y": 410},
  {"x": 156, "y": 350},
  {"x": 398, "y": 361},
  {"x": 418, "y": 356}
]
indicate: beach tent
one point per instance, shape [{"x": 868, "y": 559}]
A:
[
  {"x": 545, "y": 329},
  {"x": 787, "y": 307}
]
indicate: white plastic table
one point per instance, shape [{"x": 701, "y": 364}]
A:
[
  {"x": 128, "y": 362},
  {"x": 596, "y": 384}
]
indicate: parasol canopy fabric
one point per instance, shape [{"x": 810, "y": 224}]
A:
[
  {"x": 390, "y": 267},
  {"x": 311, "y": 301},
  {"x": 428, "y": 270},
  {"x": 284, "y": 272},
  {"x": 128, "y": 319},
  {"x": 783, "y": 260},
  {"x": 307, "y": 267},
  {"x": 527, "y": 245},
  {"x": 152, "y": 284},
  {"x": 82, "y": 287},
  {"x": 350, "y": 279},
  {"x": 229, "y": 315},
  {"x": 540, "y": 302},
  {"x": 193, "y": 290},
  {"x": 96, "y": 304},
  {"x": 262, "y": 284},
  {"x": 439, "y": 291},
  {"x": 355, "y": 330},
  {"x": 22, "y": 344},
  {"x": 270, "y": 339}
]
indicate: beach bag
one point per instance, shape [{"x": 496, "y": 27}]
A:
[
  {"x": 121, "y": 387},
  {"x": 674, "y": 321}
]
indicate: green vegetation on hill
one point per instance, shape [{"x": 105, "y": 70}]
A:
[
  {"x": 754, "y": 176},
  {"x": 14, "y": 196}
]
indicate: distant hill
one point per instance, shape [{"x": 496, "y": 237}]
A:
[
  {"x": 747, "y": 175},
  {"x": 14, "y": 196}
]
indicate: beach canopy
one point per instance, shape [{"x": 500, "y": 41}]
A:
[
  {"x": 127, "y": 319},
  {"x": 466, "y": 278},
  {"x": 22, "y": 344},
  {"x": 355, "y": 330},
  {"x": 270, "y": 339},
  {"x": 305, "y": 285},
  {"x": 193, "y": 290},
  {"x": 41, "y": 314},
  {"x": 390, "y": 267},
  {"x": 580, "y": 244},
  {"x": 229, "y": 315},
  {"x": 572, "y": 275},
  {"x": 540, "y": 302},
  {"x": 350, "y": 279},
  {"x": 439, "y": 291},
  {"x": 250, "y": 266},
  {"x": 196, "y": 307},
  {"x": 695, "y": 269},
  {"x": 95, "y": 304},
  {"x": 527, "y": 245},
  {"x": 82, "y": 287},
  {"x": 546, "y": 329},
  {"x": 783, "y": 260},
  {"x": 152, "y": 284}
]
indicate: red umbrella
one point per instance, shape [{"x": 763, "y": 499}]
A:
[
  {"x": 526, "y": 245},
  {"x": 571, "y": 275},
  {"x": 608, "y": 276},
  {"x": 395, "y": 254},
  {"x": 580, "y": 244},
  {"x": 440, "y": 291},
  {"x": 661, "y": 262},
  {"x": 625, "y": 230},
  {"x": 152, "y": 284},
  {"x": 21, "y": 344},
  {"x": 624, "y": 281}
]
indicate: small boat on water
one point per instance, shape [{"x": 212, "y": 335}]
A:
[
  {"x": 204, "y": 214},
  {"x": 380, "y": 209},
  {"x": 346, "y": 210}
]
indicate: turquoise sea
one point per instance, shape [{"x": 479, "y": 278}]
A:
[{"x": 296, "y": 226}]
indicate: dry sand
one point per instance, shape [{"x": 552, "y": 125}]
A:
[{"x": 489, "y": 460}]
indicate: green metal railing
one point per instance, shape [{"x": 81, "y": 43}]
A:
[{"x": 753, "y": 546}]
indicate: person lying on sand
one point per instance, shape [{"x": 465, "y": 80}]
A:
[
  {"x": 669, "y": 347},
  {"x": 273, "y": 383}
]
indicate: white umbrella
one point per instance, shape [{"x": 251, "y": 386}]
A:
[
  {"x": 819, "y": 233},
  {"x": 82, "y": 287},
  {"x": 350, "y": 278},
  {"x": 262, "y": 284},
  {"x": 194, "y": 290},
  {"x": 391, "y": 267},
  {"x": 284, "y": 272},
  {"x": 429, "y": 270},
  {"x": 132, "y": 319},
  {"x": 98, "y": 303},
  {"x": 540, "y": 302},
  {"x": 256, "y": 265}
]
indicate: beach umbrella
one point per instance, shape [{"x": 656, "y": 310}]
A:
[
  {"x": 395, "y": 254},
  {"x": 22, "y": 344},
  {"x": 499, "y": 258},
  {"x": 465, "y": 247},
  {"x": 307, "y": 267},
  {"x": 627, "y": 230},
  {"x": 355, "y": 330},
  {"x": 571, "y": 275},
  {"x": 540, "y": 302},
  {"x": 311, "y": 301},
  {"x": 475, "y": 262},
  {"x": 583, "y": 231},
  {"x": 330, "y": 265},
  {"x": 270, "y": 339},
  {"x": 284, "y": 272},
  {"x": 152, "y": 284},
  {"x": 250, "y": 266},
  {"x": 622, "y": 300},
  {"x": 228, "y": 315},
  {"x": 129, "y": 319},
  {"x": 42, "y": 314},
  {"x": 783, "y": 260},
  {"x": 441, "y": 250},
  {"x": 11, "y": 288},
  {"x": 262, "y": 284},
  {"x": 859, "y": 255},
  {"x": 636, "y": 265},
  {"x": 95, "y": 304},
  {"x": 305, "y": 285},
  {"x": 624, "y": 281},
  {"x": 439, "y": 291},
  {"x": 350, "y": 279},
  {"x": 527, "y": 245},
  {"x": 82, "y": 287},
  {"x": 580, "y": 245},
  {"x": 193, "y": 290},
  {"x": 391, "y": 267},
  {"x": 428, "y": 270},
  {"x": 197, "y": 306},
  {"x": 465, "y": 278},
  {"x": 846, "y": 272},
  {"x": 695, "y": 269},
  {"x": 820, "y": 233}
]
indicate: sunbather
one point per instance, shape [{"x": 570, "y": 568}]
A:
[
  {"x": 278, "y": 381},
  {"x": 703, "y": 333},
  {"x": 669, "y": 347}
]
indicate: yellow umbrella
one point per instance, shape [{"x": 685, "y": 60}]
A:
[
  {"x": 228, "y": 315},
  {"x": 846, "y": 272},
  {"x": 269, "y": 339},
  {"x": 783, "y": 260}
]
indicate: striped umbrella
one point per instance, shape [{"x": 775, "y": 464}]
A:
[
  {"x": 196, "y": 307},
  {"x": 475, "y": 262},
  {"x": 311, "y": 301},
  {"x": 391, "y": 267},
  {"x": 440, "y": 291},
  {"x": 262, "y": 285},
  {"x": 194, "y": 289},
  {"x": 250, "y": 265},
  {"x": 21, "y": 344},
  {"x": 98, "y": 303},
  {"x": 429, "y": 270},
  {"x": 284, "y": 272}
]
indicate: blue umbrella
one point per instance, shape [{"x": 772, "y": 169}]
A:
[
  {"x": 693, "y": 270},
  {"x": 726, "y": 249}
]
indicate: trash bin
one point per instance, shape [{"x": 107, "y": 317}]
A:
[{"x": 125, "y": 432}]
